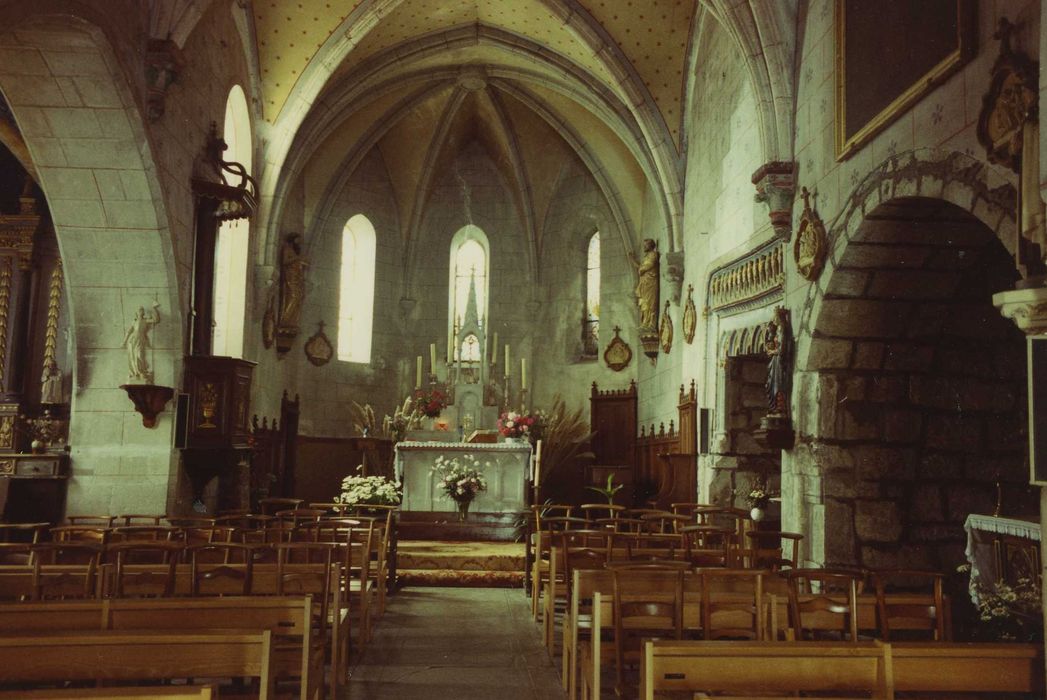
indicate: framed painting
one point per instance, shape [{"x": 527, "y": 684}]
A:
[{"x": 889, "y": 54}]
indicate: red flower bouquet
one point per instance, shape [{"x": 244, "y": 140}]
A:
[
  {"x": 515, "y": 425},
  {"x": 430, "y": 402}
]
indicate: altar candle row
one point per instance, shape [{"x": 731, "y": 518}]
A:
[{"x": 494, "y": 355}]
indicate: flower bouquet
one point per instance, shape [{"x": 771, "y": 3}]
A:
[
  {"x": 515, "y": 425},
  {"x": 368, "y": 491},
  {"x": 431, "y": 402},
  {"x": 461, "y": 478},
  {"x": 1010, "y": 612}
]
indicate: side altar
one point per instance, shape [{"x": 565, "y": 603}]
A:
[{"x": 507, "y": 467}]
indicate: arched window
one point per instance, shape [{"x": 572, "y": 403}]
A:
[
  {"x": 591, "y": 315},
  {"x": 230, "y": 269},
  {"x": 356, "y": 290},
  {"x": 469, "y": 265}
]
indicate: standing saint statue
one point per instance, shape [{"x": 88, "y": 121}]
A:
[
  {"x": 778, "y": 346},
  {"x": 136, "y": 340},
  {"x": 51, "y": 383},
  {"x": 647, "y": 285},
  {"x": 292, "y": 281}
]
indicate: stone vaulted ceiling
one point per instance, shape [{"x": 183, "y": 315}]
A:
[{"x": 652, "y": 34}]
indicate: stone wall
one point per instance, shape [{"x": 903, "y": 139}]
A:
[{"x": 913, "y": 398}]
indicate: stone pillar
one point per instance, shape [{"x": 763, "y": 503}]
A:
[
  {"x": 1028, "y": 309},
  {"x": 19, "y": 320}
]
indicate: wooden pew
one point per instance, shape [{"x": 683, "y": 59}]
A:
[
  {"x": 767, "y": 667},
  {"x": 136, "y": 656},
  {"x": 180, "y": 692},
  {"x": 20, "y": 582},
  {"x": 290, "y": 618},
  {"x": 968, "y": 667}
]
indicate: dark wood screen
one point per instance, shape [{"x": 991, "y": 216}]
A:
[
  {"x": 612, "y": 420},
  {"x": 667, "y": 460}
]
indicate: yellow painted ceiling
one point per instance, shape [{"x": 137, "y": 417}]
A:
[
  {"x": 652, "y": 34},
  {"x": 289, "y": 34}
]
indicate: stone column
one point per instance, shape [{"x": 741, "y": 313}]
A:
[{"x": 18, "y": 324}]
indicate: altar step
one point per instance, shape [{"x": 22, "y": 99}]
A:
[
  {"x": 445, "y": 527},
  {"x": 479, "y": 564}
]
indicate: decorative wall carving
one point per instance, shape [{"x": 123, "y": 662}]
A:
[
  {"x": 163, "y": 63},
  {"x": 690, "y": 316},
  {"x": 6, "y": 272},
  {"x": 318, "y": 349},
  {"x": 51, "y": 390},
  {"x": 1009, "y": 104},
  {"x": 618, "y": 354},
  {"x": 753, "y": 277},
  {"x": 665, "y": 333},
  {"x": 811, "y": 243},
  {"x": 137, "y": 343}
]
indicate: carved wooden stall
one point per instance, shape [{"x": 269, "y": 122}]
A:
[
  {"x": 274, "y": 452},
  {"x": 667, "y": 461},
  {"x": 612, "y": 420}
]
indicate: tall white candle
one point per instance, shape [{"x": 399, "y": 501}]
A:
[
  {"x": 494, "y": 349},
  {"x": 523, "y": 372},
  {"x": 432, "y": 358},
  {"x": 418, "y": 373},
  {"x": 507, "y": 365},
  {"x": 537, "y": 463}
]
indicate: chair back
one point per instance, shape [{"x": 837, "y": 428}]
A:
[
  {"x": 726, "y": 614},
  {"x": 145, "y": 533},
  {"x": 304, "y": 568},
  {"x": 22, "y": 532},
  {"x": 832, "y": 611},
  {"x": 772, "y": 549},
  {"x": 269, "y": 506},
  {"x": 93, "y": 534},
  {"x": 91, "y": 520},
  {"x": 648, "y": 602},
  {"x": 221, "y": 569},
  {"x": 148, "y": 581},
  {"x": 136, "y": 519},
  {"x": 707, "y": 545},
  {"x": 913, "y": 599},
  {"x": 595, "y": 511},
  {"x": 63, "y": 571}
]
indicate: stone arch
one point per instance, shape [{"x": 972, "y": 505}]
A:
[
  {"x": 908, "y": 401},
  {"x": 84, "y": 133}
]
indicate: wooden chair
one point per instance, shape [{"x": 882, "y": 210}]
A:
[
  {"x": 300, "y": 515},
  {"x": 575, "y": 550},
  {"x": 179, "y": 692},
  {"x": 707, "y": 545},
  {"x": 594, "y": 511},
  {"x": 543, "y": 544},
  {"x": 664, "y": 522},
  {"x": 16, "y": 554},
  {"x": 837, "y": 598},
  {"x": 234, "y": 570},
  {"x": 91, "y": 520},
  {"x": 135, "y": 519},
  {"x": 145, "y": 533},
  {"x": 931, "y": 614},
  {"x": 647, "y": 603},
  {"x": 646, "y": 546},
  {"x": 244, "y": 521},
  {"x": 22, "y": 532},
  {"x": 723, "y": 615},
  {"x": 269, "y": 506},
  {"x": 688, "y": 509},
  {"x": 143, "y": 583},
  {"x": 766, "y": 549},
  {"x": 90, "y": 534},
  {"x": 65, "y": 571}
]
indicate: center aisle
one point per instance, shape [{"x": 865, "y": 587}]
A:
[{"x": 455, "y": 644}]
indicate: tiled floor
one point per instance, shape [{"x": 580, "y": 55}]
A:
[{"x": 455, "y": 644}]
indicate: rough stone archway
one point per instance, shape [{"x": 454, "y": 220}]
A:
[
  {"x": 909, "y": 401},
  {"x": 84, "y": 133}
]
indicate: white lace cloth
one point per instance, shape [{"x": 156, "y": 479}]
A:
[{"x": 980, "y": 555}]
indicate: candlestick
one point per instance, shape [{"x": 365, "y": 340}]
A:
[
  {"x": 537, "y": 464},
  {"x": 432, "y": 358},
  {"x": 507, "y": 365},
  {"x": 418, "y": 373},
  {"x": 523, "y": 373}
]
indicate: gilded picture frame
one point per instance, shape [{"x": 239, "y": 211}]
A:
[{"x": 942, "y": 37}]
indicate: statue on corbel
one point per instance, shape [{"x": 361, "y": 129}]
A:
[
  {"x": 775, "y": 429},
  {"x": 292, "y": 291},
  {"x": 646, "y": 292}
]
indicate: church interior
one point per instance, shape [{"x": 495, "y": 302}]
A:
[{"x": 537, "y": 348}]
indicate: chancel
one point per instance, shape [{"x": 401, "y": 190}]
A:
[{"x": 484, "y": 348}]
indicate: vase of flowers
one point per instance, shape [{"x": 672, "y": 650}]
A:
[
  {"x": 368, "y": 490},
  {"x": 461, "y": 478},
  {"x": 1009, "y": 611},
  {"x": 759, "y": 498},
  {"x": 515, "y": 427},
  {"x": 430, "y": 403}
]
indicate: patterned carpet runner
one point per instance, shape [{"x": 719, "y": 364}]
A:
[{"x": 481, "y": 564}]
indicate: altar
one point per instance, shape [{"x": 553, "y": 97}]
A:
[{"x": 506, "y": 465}]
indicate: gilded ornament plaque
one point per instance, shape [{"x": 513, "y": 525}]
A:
[
  {"x": 617, "y": 355},
  {"x": 690, "y": 316},
  {"x": 665, "y": 332},
  {"x": 318, "y": 349},
  {"x": 1010, "y": 103},
  {"x": 810, "y": 246}
]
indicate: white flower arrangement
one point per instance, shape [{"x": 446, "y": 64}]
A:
[
  {"x": 462, "y": 477},
  {"x": 368, "y": 490}
]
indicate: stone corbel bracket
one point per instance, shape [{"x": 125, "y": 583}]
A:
[
  {"x": 1026, "y": 307},
  {"x": 163, "y": 64},
  {"x": 776, "y": 187}
]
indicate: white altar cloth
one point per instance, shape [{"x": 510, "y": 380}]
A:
[{"x": 507, "y": 467}]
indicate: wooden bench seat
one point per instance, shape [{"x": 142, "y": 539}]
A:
[
  {"x": 137, "y": 656},
  {"x": 968, "y": 667},
  {"x": 289, "y": 618},
  {"x": 858, "y": 670},
  {"x": 168, "y": 692}
]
